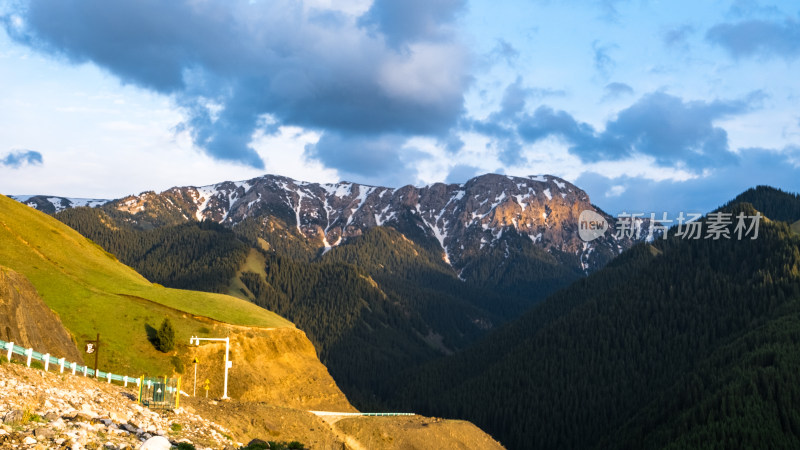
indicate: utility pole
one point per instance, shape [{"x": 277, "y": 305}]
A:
[
  {"x": 196, "y": 340},
  {"x": 94, "y": 347}
]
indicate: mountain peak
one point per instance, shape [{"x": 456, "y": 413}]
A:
[{"x": 461, "y": 218}]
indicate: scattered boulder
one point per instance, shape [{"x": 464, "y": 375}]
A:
[
  {"x": 45, "y": 433},
  {"x": 156, "y": 443},
  {"x": 14, "y": 416}
]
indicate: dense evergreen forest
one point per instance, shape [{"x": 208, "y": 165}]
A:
[
  {"x": 202, "y": 256},
  {"x": 378, "y": 305},
  {"x": 678, "y": 344}
]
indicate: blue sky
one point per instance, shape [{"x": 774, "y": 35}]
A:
[{"x": 647, "y": 105}]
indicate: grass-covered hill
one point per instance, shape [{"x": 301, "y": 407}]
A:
[
  {"x": 92, "y": 292},
  {"x": 678, "y": 344}
]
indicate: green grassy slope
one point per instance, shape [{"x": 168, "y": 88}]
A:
[{"x": 92, "y": 292}]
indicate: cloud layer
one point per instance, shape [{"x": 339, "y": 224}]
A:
[
  {"x": 231, "y": 64},
  {"x": 674, "y": 132},
  {"x": 753, "y": 167}
]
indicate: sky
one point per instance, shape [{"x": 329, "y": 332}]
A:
[{"x": 647, "y": 105}]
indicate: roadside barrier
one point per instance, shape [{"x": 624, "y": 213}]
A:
[{"x": 161, "y": 396}]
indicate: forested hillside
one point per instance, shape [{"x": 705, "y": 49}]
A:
[
  {"x": 376, "y": 305},
  {"x": 201, "y": 256},
  {"x": 682, "y": 343}
]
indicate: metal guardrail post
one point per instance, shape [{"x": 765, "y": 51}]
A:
[
  {"x": 46, "y": 358},
  {"x": 228, "y": 364},
  {"x": 10, "y": 350}
]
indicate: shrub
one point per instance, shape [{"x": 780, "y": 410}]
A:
[
  {"x": 178, "y": 363},
  {"x": 165, "y": 336}
]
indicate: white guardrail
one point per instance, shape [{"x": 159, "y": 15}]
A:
[{"x": 9, "y": 349}]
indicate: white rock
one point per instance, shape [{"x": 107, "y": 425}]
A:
[
  {"x": 156, "y": 443},
  {"x": 29, "y": 441}
]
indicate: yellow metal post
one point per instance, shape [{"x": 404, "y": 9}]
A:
[
  {"x": 178, "y": 394},
  {"x": 141, "y": 386}
]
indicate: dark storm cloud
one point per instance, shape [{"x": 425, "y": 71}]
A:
[
  {"x": 231, "y": 63},
  {"x": 758, "y": 38},
  {"x": 402, "y": 22},
  {"x": 755, "y": 166},
  {"x": 670, "y": 130},
  {"x": 18, "y": 158},
  {"x": 674, "y": 132}
]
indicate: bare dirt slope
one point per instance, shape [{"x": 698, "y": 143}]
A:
[
  {"x": 27, "y": 321},
  {"x": 277, "y": 366},
  {"x": 415, "y": 432},
  {"x": 249, "y": 420}
]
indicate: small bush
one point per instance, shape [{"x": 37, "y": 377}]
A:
[
  {"x": 37, "y": 365},
  {"x": 3, "y": 360},
  {"x": 184, "y": 446},
  {"x": 175, "y": 427},
  {"x": 178, "y": 363},
  {"x": 165, "y": 336},
  {"x": 203, "y": 330}
]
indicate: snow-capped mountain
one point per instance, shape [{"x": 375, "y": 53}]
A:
[
  {"x": 487, "y": 211},
  {"x": 51, "y": 205}
]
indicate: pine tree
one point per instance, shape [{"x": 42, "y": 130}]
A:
[{"x": 165, "y": 337}]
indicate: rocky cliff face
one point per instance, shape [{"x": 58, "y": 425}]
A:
[
  {"x": 28, "y": 322},
  {"x": 463, "y": 219}
]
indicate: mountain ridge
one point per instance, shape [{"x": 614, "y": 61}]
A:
[{"x": 461, "y": 218}]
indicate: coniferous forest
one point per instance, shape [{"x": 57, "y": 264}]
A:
[{"x": 678, "y": 343}]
